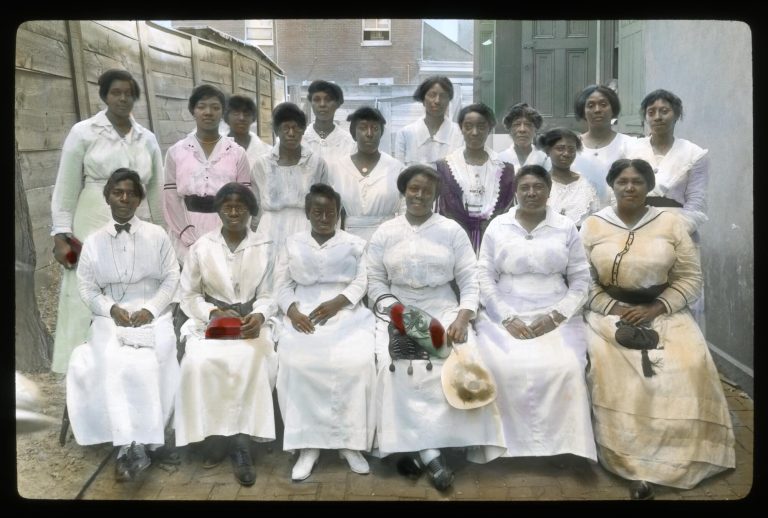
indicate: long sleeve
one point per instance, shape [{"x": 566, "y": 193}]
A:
[
  {"x": 69, "y": 181},
  {"x": 285, "y": 286},
  {"x": 488, "y": 278},
  {"x": 378, "y": 280},
  {"x": 399, "y": 152},
  {"x": 243, "y": 170},
  {"x": 170, "y": 269},
  {"x": 578, "y": 276},
  {"x": 597, "y": 300},
  {"x": 174, "y": 209},
  {"x": 90, "y": 289},
  {"x": 357, "y": 287},
  {"x": 192, "y": 297},
  {"x": 465, "y": 271},
  {"x": 265, "y": 302},
  {"x": 156, "y": 185},
  {"x": 694, "y": 211},
  {"x": 685, "y": 277}
]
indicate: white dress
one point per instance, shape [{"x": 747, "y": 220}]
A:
[
  {"x": 594, "y": 163},
  {"x": 281, "y": 191},
  {"x": 338, "y": 143},
  {"x": 414, "y": 145},
  {"x": 325, "y": 379},
  {"x": 542, "y": 390},
  {"x": 576, "y": 200},
  {"x": 367, "y": 200},
  {"x": 417, "y": 265},
  {"x": 118, "y": 393},
  {"x": 535, "y": 157},
  {"x": 226, "y": 385},
  {"x": 256, "y": 148}
]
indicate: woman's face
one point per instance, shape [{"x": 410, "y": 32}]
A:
[
  {"x": 522, "y": 132},
  {"x": 323, "y": 215},
  {"x": 630, "y": 189},
  {"x": 475, "y": 129},
  {"x": 323, "y": 106},
  {"x": 597, "y": 110},
  {"x": 290, "y": 134},
  {"x": 234, "y": 213},
  {"x": 368, "y": 136},
  {"x": 120, "y": 98},
  {"x": 436, "y": 101},
  {"x": 563, "y": 153},
  {"x": 420, "y": 192},
  {"x": 660, "y": 118},
  {"x": 207, "y": 113},
  {"x": 532, "y": 192},
  {"x": 240, "y": 121},
  {"x": 123, "y": 200}
]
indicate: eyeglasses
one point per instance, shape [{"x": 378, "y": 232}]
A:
[
  {"x": 119, "y": 193},
  {"x": 237, "y": 209}
]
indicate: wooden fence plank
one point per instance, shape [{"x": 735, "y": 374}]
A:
[
  {"x": 79, "y": 81},
  {"x": 173, "y": 86},
  {"x": 54, "y": 29},
  {"x": 196, "y": 77},
  {"x": 40, "y": 130},
  {"x": 170, "y": 42},
  {"x": 164, "y": 62},
  {"x": 34, "y": 90},
  {"x": 42, "y": 54},
  {"x": 216, "y": 74},
  {"x": 39, "y": 168},
  {"x": 149, "y": 85},
  {"x": 124, "y": 27}
]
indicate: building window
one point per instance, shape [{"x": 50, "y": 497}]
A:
[
  {"x": 259, "y": 32},
  {"x": 376, "y": 32}
]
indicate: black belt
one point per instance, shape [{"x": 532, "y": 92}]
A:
[
  {"x": 662, "y": 201},
  {"x": 199, "y": 203},
  {"x": 242, "y": 308},
  {"x": 637, "y": 296}
]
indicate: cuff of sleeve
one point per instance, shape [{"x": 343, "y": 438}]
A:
[
  {"x": 265, "y": 308},
  {"x": 353, "y": 295},
  {"x": 61, "y": 230}
]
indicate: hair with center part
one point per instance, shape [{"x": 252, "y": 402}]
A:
[
  {"x": 640, "y": 165},
  {"x": 124, "y": 174},
  {"x": 665, "y": 95},
  {"x": 205, "y": 91},
  {"x": 241, "y": 191},
  {"x": 423, "y": 88},
  {"x": 365, "y": 113},
  {"x": 522, "y": 110},
  {"x": 333, "y": 90},
  {"x": 321, "y": 189},
  {"x": 580, "y": 103},
  {"x": 288, "y": 112},
  {"x": 481, "y": 109},
  {"x": 241, "y": 103},
  {"x": 115, "y": 74},
  {"x": 548, "y": 139},
  {"x": 534, "y": 170},
  {"x": 409, "y": 172}
]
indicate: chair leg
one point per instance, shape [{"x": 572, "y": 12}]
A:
[{"x": 64, "y": 427}]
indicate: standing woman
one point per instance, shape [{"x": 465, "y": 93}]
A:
[
  {"x": 324, "y": 137},
  {"x": 93, "y": 149},
  {"x": 599, "y": 106},
  {"x": 283, "y": 177},
  {"x": 660, "y": 415},
  {"x": 427, "y": 140},
  {"x": 196, "y": 167},
  {"x": 366, "y": 179},
  {"x": 240, "y": 115},
  {"x": 522, "y": 123},
  {"x": 475, "y": 185},
  {"x": 572, "y": 194}
]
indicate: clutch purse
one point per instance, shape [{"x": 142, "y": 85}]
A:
[
  {"x": 75, "y": 247},
  {"x": 638, "y": 338},
  {"x": 136, "y": 337},
  {"x": 223, "y": 328}
]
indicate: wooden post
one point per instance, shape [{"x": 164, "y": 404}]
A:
[
  {"x": 196, "y": 77},
  {"x": 146, "y": 69},
  {"x": 79, "y": 80},
  {"x": 235, "y": 71}
]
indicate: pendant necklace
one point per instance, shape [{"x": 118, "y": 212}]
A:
[
  {"x": 117, "y": 270},
  {"x": 207, "y": 141}
]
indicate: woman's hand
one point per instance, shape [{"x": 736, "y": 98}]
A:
[
  {"x": 141, "y": 317},
  {"x": 250, "y": 325},
  {"x": 458, "y": 329},
  {"x": 642, "y": 313},
  {"x": 300, "y": 321},
  {"x": 60, "y": 250},
  {"x": 120, "y": 316},
  {"x": 518, "y": 329},
  {"x": 328, "y": 309},
  {"x": 542, "y": 324}
]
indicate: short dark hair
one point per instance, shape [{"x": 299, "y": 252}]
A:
[
  {"x": 640, "y": 165},
  {"x": 118, "y": 175},
  {"x": 203, "y": 92},
  {"x": 666, "y": 95},
  {"x": 548, "y": 139},
  {"x": 365, "y": 113},
  {"x": 581, "y": 100},
  {"x": 321, "y": 189},
  {"x": 288, "y": 111},
  {"x": 522, "y": 110},
  {"x": 480, "y": 108},
  {"x": 331, "y": 89},
  {"x": 421, "y": 90},
  {"x": 534, "y": 170},
  {"x": 409, "y": 172},
  {"x": 240, "y": 103},
  {"x": 115, "y": 74},
  {"x": 238, "y": 189}
]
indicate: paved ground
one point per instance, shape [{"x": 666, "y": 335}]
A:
[{"x": 521, "y": 479}]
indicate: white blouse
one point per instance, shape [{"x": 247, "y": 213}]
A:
[
  {"x": 414, "y": 145},
  {"x": 279, "y": 187},
  {"x": 576, "y": 200}
]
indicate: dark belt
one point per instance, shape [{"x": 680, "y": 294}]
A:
[
  {"x": 199, "y": 203},
  {"x": 662, "y": 201},
  {"x": 641, "y": 296},
  {"x": 242, "y": 308}
]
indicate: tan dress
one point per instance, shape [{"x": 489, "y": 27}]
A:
[{"x": 672, "y": 428}]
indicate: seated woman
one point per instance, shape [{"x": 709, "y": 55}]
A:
[
  {"x": 660, "y": 415},
  {"x": 475, "y": 185},
  {"x": 122, "y": 381},
  {"x": 571, "y": 195},
  {"x": 327, "y": 369},
  {"x": 366, "y": 179},
  {"x": 534, "y": 278},
  {"x": 522, "y": 123},
  {"x": 415, "y": 257},
  {"x": 225, "y": 394}
]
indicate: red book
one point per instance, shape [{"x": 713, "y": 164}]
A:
[
  {"x": 75, "y": 247},
  {"x": 223, "y": 328}
]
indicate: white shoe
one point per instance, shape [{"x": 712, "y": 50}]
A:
[
  {"x": 356, "y": 461},
  {"x": 303, "y": 467}
]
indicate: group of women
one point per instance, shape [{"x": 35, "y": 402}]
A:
[{"x": 549, "y": 263}]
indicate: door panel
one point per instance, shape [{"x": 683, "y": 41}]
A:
[{"x": 631, "y": 75}]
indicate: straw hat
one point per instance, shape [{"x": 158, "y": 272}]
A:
[{"x": 467, "y": 382}]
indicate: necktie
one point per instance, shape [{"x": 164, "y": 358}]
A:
[{"x": 125, "y": 226}]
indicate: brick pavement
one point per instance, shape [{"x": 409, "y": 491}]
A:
[{"x": 518, "y": 479}]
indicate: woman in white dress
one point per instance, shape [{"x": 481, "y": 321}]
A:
[
  {"x": 240, "y": 115},
  {"x": 534, "y": 279},
  {"x": 324, "y": 137},
  {"x": 92, "y": 151},
  {"x": 122, "y": 381},
  {"x": 225, "y": 394},
  {"x": 327, "y": 368},
  {"x": 660, "y": 415},
  {"x": 522, "y": 123},
  {"x": 427, "y": 140},
  {"x": 366, "y": 179},
  {"x": 571, "y": 195},
  {"x": 415, "y": 257},
  {"x": 282, "y": 178},
  {"x": 599, "y": 106}
]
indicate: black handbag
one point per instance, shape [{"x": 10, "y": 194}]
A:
[
  {"x": 401, "y": 346},
  {"x": 639, "y": 338}
]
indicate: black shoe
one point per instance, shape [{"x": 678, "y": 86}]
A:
[
  {"x": 442, "y": 477},
  {"x": 137, "y": 458},
  {"x": 409, "y": 467},
  {"x": 165, "y": 455},
  {"x": 215, "y": 449},
  {"x": 123, "y": 469},
  {"x": 242, "y": 465},
  {"x": 641, "y": 490}
]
